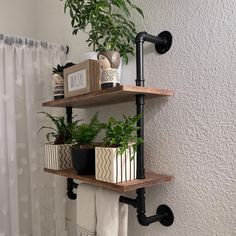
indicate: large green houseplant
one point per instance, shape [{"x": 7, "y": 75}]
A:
[
  {"x": 110, "y": 31},
  {"x": 106, "y": 22}
]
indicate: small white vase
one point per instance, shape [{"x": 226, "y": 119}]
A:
[{"x": 89, "y": 55}]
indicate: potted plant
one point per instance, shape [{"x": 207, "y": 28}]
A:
[
  {"x": 116, "y": 159},
  {"x": 58, "y": 80},
  {"x": 83, "y": 153},
  {"x": 57, "y": 152},
  {"x": 109, "y": 28}
]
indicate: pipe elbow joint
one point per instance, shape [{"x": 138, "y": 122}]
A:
[
  {"x": 142, "y": 219},
  {"x": 141, "y": 37}
]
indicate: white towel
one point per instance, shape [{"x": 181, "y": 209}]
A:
[
  {"x": 86, "y": 210},
  {"x": 112, "y": 216}
]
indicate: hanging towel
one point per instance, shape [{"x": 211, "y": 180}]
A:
[
  {"x": 86, "y": 210},
  {"x": 112, "y": 216}
]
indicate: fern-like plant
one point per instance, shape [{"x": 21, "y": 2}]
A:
[
  {"x": 85, "y": 134},
  {"x": 63, "y": 131},
  {"x": 122, "y": 134}
]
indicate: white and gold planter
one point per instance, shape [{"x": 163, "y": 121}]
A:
[
  {"x": 58, "y": 157},
  {"x": 112, "y": 167}
]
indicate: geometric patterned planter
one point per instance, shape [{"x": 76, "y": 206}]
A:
[
  {"x": 58, "y": 157},
  {"x": 111, "y": 167}
]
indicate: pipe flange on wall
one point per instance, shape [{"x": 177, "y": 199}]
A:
[
  {"x": 162, "y": 41},
  {"x": 167, "y": 37},
  {"x": 167, "y": 215}
]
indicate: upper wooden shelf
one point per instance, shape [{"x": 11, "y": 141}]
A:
[
  {"x": 121, "y": 94},
  {"x": 150, "y": 180}
]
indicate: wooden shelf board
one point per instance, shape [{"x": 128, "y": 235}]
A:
[
  {"x": 121, "y": 94},
  {"x": 150, "y": 180}
]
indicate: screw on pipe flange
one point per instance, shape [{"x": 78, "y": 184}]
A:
[{"x": 166, "y": 214}]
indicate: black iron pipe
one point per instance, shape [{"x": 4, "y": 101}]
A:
[
  {"x": 140, "y": 99},
  {"x": 146, "y": 221},
  {"x": 141, "y": 210},
  {"x": 144, "y": 36},
  {"x": 70, "y": 186},
  {"x": 139, "y": 204},
  {"x": 69, "y": 114},
  {"x": 140, "y": 133},
  {"x": 129, "y": 201},
  {"x": 139, "y": 62}
]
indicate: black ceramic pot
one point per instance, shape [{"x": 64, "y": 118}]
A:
[{"x": 83, "y": 160}]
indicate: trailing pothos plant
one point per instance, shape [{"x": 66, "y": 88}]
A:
[
  {"x": 63, "y": 131},
  {"x": 122, "y": 134},
  {"x": 85, "y": 134},
  {"x": 106, "y": 22}
]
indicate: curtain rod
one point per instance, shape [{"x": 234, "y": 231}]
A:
[{"x": 9, "y": 40}]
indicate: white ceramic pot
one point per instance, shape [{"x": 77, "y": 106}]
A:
[
  {"x": 120, "y": 69},
  {"x": 112, "y": 167},
  {"x": 89, "y": 55},
  {"x": 58, "y": 157}
]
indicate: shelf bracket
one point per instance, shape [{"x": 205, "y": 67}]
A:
[
  {"x": 70, "y": 186},
  {"x": 163, "y": 213},
  {"x": 162, "y": 43}
]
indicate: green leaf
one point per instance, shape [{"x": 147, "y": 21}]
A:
[
  {"x": 106, "y": 22},
  {"x": 139, "y": 10},
  {"x": 75, "y": 31}
]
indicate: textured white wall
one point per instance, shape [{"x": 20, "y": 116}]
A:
[
  {"x": 17, "y": 17},
  {"x": 191, "y": 135},
  {"x": 54, "y": 26}
]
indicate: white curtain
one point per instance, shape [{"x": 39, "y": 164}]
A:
[{"x": 25, "y": 71}]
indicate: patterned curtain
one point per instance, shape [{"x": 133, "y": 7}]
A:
[{"x": 25, "y": 70}]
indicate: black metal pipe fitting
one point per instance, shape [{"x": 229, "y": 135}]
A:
[
  {"x": 139, "y": 63},
  {"x": 162, "y": 42},
  {"x": 163, "y": 213},
  {"x": 140, "y": 100},
  {"x": 70, "y": 186},
  {"x": 69, "y": 114},
  {"x": 129, "y": 201},
  {"x": 141, "y": 210},
  {"x": 144, "y": 36}
]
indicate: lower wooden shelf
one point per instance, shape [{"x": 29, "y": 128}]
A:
[{"x": 150, "y": 180}]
